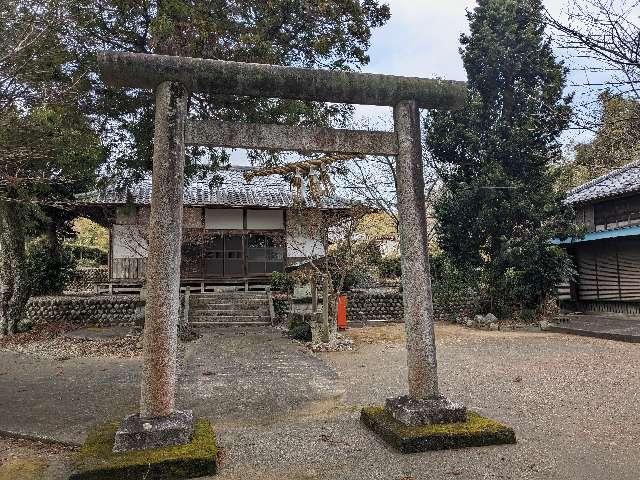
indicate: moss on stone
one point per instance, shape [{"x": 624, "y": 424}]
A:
[
  {"x": 477, "y": 431},
  {"x": 96, "y": 460}
]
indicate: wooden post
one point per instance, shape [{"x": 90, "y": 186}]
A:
[
  {"x": 325, "y": 309},
  {"x": 314, "y": 293}
]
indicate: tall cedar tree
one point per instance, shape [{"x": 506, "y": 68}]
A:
[
  {"x": 332, "y": 34},
  {"x": 498, "y": 209}
]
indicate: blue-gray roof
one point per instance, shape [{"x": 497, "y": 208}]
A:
[
  {"x": 273, "y": 191},
  {"x": 619, "y": 182}
]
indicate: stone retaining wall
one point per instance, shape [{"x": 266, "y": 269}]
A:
[
  {"x": 372, "y": 307},
  {"x": 99, "y": 310},
  {"x": 86, "y": 279}
]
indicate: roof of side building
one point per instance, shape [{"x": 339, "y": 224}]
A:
[{"x": 619, "y": 182}]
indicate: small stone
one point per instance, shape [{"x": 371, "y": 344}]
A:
[{"x": 490, "y": 318}]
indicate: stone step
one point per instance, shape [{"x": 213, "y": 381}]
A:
[
  {"x": 231, "y": 318},
  {"x": 229, "y": 307},
  {"x": 233, "y": 308},
  {"x": 228, "y": 324},
  {"x": 230, "y": 301},
  {"x": 225, "y": 313},
  {"x": 229, "y": 295}
]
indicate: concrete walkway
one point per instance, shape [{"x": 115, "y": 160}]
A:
[
  {"x": 60, "y": 400},
  {"x": 600, "y": 326},
  {"x": 228, "y": 374}
]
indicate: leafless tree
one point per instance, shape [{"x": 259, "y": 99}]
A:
[{"x": 604, "y": 35}]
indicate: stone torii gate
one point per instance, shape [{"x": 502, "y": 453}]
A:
[{"x": 173, "y": 79}]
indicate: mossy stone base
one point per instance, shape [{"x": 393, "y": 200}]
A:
[
  {"x": 477, "y": 431},
  {"x": 96, "y": 460}
]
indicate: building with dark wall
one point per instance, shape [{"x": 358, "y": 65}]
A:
[{"x": 607, "y": 258}]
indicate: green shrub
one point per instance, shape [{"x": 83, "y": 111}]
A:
[
  {"x": 301, "y": 332},
  {"x": 282, "y": 282},
  {"x": 389, "y": 267},
  {"x": 87, "y": 255},
  {"x": 48, "y": 274},
  {"x": 280, "y": 307},
  {"x": 455, "y": 293}
]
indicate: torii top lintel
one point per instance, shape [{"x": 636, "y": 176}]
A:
[{"x": 139, "y": 70}]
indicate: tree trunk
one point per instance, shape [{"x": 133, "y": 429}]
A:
[
  {"x": 13, "y": 282},
  {"x": 53, "y": 243}
]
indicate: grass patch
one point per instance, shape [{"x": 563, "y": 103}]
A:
[
  {"x": 96, "y": 460},
  {"x": 477, "y": 431},
  {"x": 23, "y": 468}
]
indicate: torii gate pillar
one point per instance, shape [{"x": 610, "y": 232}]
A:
[
  {"x": 158, "y": 424},
  {"x": 424, "y": 404}
]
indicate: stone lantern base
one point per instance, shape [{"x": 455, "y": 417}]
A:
[{"x": 475, "y": 431}]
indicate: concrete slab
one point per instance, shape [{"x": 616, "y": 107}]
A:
[
  {"x": 247, "y": 373},
  {"x": 250, "y": 374},
  {"x": 600, "y": 326},
  {"x": 52, "y": 399}
]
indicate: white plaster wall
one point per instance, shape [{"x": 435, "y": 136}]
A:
[
  {"x": 223, "y": 218},
  {"x": 265, "y": 219},
  {"x": 303, "y": 240},
  {"x": 129, "y": 241}
]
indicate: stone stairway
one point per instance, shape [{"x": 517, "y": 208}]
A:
[{"x": 229, "y": 308}]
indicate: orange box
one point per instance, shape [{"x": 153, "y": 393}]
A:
[{"x": 342, "y": 312}]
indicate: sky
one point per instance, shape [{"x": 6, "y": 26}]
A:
[{"x": 422, "y": 39}]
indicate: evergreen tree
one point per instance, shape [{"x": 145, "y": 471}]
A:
[
  {"x": 498, "y": 209},
  {"x": 48, "y": 149}
]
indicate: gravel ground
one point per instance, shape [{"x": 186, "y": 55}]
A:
[
  {"x": 59, "y": 342},
  {"x": 29, "y": 460},
  {"x": 573, "y": 402}
]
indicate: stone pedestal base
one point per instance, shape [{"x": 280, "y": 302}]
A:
[
  {"x": 138, "y": 433},
  {"x": 97, "y": 461},
  {"x": 425, "y": 412},
  {"x": 475, "y": 431}
]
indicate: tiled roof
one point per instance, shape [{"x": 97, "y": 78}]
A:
[
  {"x": 619, "y": 182},
  {"x": 234, "y": 191}
]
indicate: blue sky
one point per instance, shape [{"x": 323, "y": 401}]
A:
[{"x": 422, "y": 39}]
